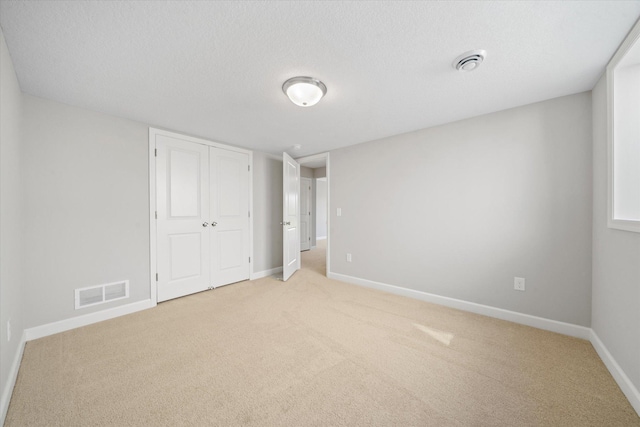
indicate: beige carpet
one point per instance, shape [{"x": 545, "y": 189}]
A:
[{"x": 312, "y": 351}]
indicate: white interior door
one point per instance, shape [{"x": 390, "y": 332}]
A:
[
  {"x": 229, "y": 216},
  {"x": 305, "y": 214},
  {"x": 291, "y": 216},
  {"x": 182, "y": 184}
]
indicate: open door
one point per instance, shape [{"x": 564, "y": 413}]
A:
[{"x": 291, "y": 216}]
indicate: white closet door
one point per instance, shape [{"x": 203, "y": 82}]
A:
[
  {"x": 229, "y": 216},
  {"x": 182, "y": 188}
]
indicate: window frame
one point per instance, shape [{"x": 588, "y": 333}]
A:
[{"x": 631, "y": 41}]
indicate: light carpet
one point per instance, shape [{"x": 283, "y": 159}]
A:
[{"x": 312, "y": 351}]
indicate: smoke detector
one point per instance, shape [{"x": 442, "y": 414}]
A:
[{"x": 469, "y": 61}]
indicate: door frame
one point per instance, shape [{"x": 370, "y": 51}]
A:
[
  {"x": 326, "y": 157},
  {"x": 153, "y": 255}
]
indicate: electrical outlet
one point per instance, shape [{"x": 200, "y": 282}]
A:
[
  {"x": 9, "y": 330},
  {"x": 348, "y": 257},
  {"x": 518, "y": 283},
  {"x": 339, "y": 212}
]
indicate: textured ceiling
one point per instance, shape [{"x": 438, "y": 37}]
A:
[{"x": 215, "y": 69}]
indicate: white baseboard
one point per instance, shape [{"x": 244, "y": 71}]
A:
[
  {"x": 11, "y": 380},
  {"x": 623, "y": 381},
  {"x": 616, "y": 371},
  {"x": 87, "y": 319},
  {"x": 61, "y": 326},
  {"x": 498, "y": 313},
  {"x": 265, "y": 273}
]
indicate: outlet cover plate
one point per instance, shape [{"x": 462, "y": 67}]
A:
[{"x": 518, "y": 283}]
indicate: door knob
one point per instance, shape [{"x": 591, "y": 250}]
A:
[
  {"x": 204, "y": 224},
  {"x": 285, "y": 223},
  {"x": 213, "y": 223}
]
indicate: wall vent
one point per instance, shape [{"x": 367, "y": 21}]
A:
[{"x": 94, "y": 295}]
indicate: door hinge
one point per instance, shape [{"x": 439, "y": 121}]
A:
[
  {"x": 309, "y": 238},
  {"x": 249, "y": 259},
  {"x": 156, "y": 214},
  {"x": 156, "y": 277},
  {"x": 249, "y": 214},
  {"x": 249, "y": 168},
  {"x": 155, "y": 152}
]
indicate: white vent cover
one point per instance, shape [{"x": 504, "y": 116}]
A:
[
  {"x": 469, "y": 61},
  {"x": 93, "y": 295}
]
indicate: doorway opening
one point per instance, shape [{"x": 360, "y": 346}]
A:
[{"x": 315, "y": 171}]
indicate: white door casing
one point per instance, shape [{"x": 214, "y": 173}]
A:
[
  {"x": 229, "y": 215},
  {"x": 291, "y": 216},
  {"x": 182, "y": 182},
  {"x": 305, "y": 214}
]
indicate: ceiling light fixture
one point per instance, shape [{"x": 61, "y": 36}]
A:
[
  {"x": 304, "y": 91},
  {"x": 469, "y": 61}
]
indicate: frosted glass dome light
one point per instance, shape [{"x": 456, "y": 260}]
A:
[{"x": 304, "y": 91}]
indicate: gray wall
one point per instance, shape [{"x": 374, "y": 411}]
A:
[
  {"x": 267, "y": 212},
  {"x": 460, "y": 209},
  {"x": 11, "y": 224},
  {"x": 616, "y": 261},
  {"x": 321, "y": 208},
  {"x": 306, "y": 172},
  {"x": 87, "y": 204},
  {"x": 320, "y": 172},
  {"x": 87, "y": 190},
  {"x": 86, "y": 195}
]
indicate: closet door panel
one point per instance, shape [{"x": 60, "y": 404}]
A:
[
  {"x": 229, "y": 207},
  {"x": 182, "y": 190}
]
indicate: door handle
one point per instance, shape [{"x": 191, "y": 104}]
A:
[
  {"x": 285, "y": 223},
  {"x": 213, "y": 223},
  {"x": 204, "y": 224}
]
